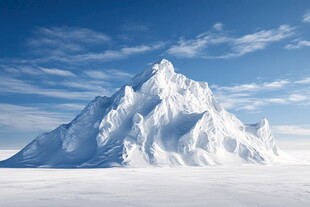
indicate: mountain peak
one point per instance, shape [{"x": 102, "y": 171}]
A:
[
  {"x": 263, "y": 123},
  {"x": 163, "y": 66},
  {"x": 163, "y": 61}
]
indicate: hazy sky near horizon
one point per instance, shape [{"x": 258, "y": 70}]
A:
[{"x": 57, "y": 56}]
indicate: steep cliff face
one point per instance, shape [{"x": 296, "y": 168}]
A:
[{"x": 158, "y": 118}]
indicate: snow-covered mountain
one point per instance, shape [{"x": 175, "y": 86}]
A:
[{"x": 159, "y": 118}]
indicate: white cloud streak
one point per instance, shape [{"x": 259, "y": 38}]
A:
[
  {"x": 306, "y": 17},
  {"x": 20, "y": 69},
  {"x": 70, "y": 106},
  {"x": 238, "y": 46},
  {"x": 195, "y": 47},
  {"x": 304, "y": 81},
  {"x": 30, "y": 118},
  {"x": 301, "y": 130},
  {"x": 218, "y": 26},
  {"x": 58, "y": 72},
  {"x": 65, "y": 39},
  {"x": 108, "y": 74},
  {"x": 11, "y": 85},
  {"x": 73, "y": 45},
  {"x": 277, "y": 84},
  {"x": 110, "y": 54},
  {"x": 297, "y": 44},
  {"x": 254, "y": 96}
]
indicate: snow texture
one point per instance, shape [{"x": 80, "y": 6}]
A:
[
  {"x": 246, "y": 185},
  {"x": 159, "y": 118}
]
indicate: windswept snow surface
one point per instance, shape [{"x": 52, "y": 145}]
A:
[
  {"x": 159, "y": 118},
  {"x": 250, "y": 185}
]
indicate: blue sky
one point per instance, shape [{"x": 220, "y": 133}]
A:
[{"x": 56, "y": 56}]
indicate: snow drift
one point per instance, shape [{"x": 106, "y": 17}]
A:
[{"x": 159, "y": 118}]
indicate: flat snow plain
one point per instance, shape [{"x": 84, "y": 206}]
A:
[{"x": 249, "y": 185}]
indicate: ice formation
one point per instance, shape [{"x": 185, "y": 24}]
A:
[{"x": 159, "y": 118}]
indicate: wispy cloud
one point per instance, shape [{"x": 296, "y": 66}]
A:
[
  {"x": 108, "y": 74},
  {"x": 248, "y": 103},
  {"x": 259, "y": 40},
  {"x": 297, "y": 44},
  {"x": 65, "y": 39},
  {"x": 29, "y": 69},
  {"x": 218, "y": 26},
  {"x": 255, "y": 104},
  {"x": 72, "y": 45},
  {"x": 70, "y": 106},
  {"x": 27, "y": 118},
  {"x": 304, "y": 81},
  {"x": 15, "y": 68},
  {"x": 107, "y": 55},
  {"x": 292, "y": 129},
  {"x": 254, "y": 96},
  {"x": 306, "y": 17},
  {"x": 238, "y": 46},
  {"x": 86, "y": 84},
  {"x": 112, "y": 54},
  {"x": 74, "y": 33},
  {"x": 195, "y": 47},
  {"x": 277, "y": 84},
  {"x": 58, "y": 72},
  {"x": 11, "y": 85},
  {"x": 75, "y": 84}
]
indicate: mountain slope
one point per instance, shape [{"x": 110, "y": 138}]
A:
[{"x": 158, "y": 118}]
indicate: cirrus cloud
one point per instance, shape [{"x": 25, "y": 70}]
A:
[
  {"x": 306, "y": 17},
  {"x": 238, "y": 46}
]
